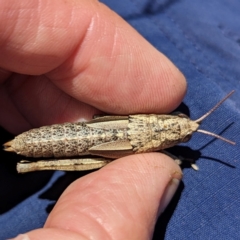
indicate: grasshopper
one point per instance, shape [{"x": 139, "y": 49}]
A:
[{"x": 109, "y": 137}]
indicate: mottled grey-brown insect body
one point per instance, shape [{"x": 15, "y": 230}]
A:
[
  {"x": 110, "y": 137},
  {"x": 136, "y": 134},
  {"x": 64, "y": 140},
  {"x": 148, "y": 133}
]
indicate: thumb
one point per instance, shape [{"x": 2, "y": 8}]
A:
[{"x": 121, "y": 201}]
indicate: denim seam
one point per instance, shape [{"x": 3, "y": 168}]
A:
[{"x": 225, "y": 32}]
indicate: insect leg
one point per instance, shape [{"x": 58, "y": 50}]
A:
[
  {"x": 180, "y": 161},
  {"x": 62, "y": 164}
]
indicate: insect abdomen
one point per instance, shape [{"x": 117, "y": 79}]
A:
[{"x": 62, "y": 140}]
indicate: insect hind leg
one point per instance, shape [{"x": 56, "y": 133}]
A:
[
  {"x": 81, "y": 164},
  {"x": 179, "y": 160}
]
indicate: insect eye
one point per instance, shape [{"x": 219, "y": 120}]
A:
[
  {"x": 187, "y": 138},
  {"x": 182, "y": 115}
]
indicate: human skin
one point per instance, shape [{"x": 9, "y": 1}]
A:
[{"x": 66, "y": 61}]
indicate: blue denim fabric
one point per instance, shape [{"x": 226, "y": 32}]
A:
[{"x": 203, "y": 39}]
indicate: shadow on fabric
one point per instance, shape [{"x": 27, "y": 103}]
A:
[{"x": 12, "y": 191}]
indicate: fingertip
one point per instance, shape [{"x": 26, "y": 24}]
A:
[
  {"x": 175, "y": 86},
  {"x": 117, "y": 71},
  {"x": 111, "y": 199},
  {"x": 147, "y": 163}
]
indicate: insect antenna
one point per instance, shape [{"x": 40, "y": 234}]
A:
[
  {"x": 214, "y": 108},
  {"x": 216, "y": 136},
  {"x": 207, "y": 114}
]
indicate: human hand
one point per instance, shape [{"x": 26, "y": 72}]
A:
[{"x": 65, "y": 61}]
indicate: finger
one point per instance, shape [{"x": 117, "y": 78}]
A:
[
  {"x": 118, "y": 71},
  {"x": 120, "y": 201},
  {"x": 93, "y": 55},
  {"x": 29, "y": 102},
  {"x": 45, "y": 41}
]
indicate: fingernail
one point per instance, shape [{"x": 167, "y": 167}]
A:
[
  {"x": 21, "y": 237},
  {"x": 168, "y": 194}
]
